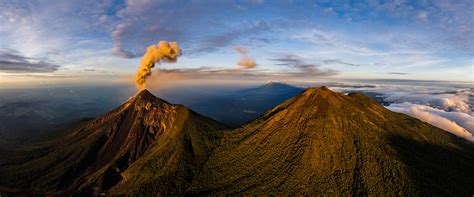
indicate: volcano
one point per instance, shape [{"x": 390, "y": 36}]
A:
[
  {"x": 159, "y": 145},
  {"x": 318, "y": 142},
  {"x": 322, "y": 142}
]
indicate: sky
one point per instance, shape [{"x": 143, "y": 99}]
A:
[{"x": 90, "y": 41}]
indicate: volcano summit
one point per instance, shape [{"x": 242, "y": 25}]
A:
[{"x": 318, "y": 142}]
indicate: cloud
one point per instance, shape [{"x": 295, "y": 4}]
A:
[
  {"x": 214, "y": 42},
  {"x": 336, "y": 61},
  {"x": 440, "y": 95},
  {"x": 118, "y": 49},
  {"x": 442, "y": 104},
  {"x": 303, "y": 68},
  {"x": 398, "y": 73},
  {"x": 422, "y": 16},
  {"x": 448, "y": 102},
  {"x": 12, "y": 62},
  {"x": 332, "y": 39},
  {"x": 245, "y": 60},
  {"x": 397, "y": 48},
  {"x": 89, "y": 69},
  {"x": 36, "y": 27},
  {"x": 444, "y": 16},
  {"x": 457, "y": 123},
  {"x": 142, "y": 22},
  {"x": 171, "y": 76},
  {"x": 126, "y": 28}
]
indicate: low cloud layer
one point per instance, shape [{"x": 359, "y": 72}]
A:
[
  {"x": 442, "y": 104},
  {"x": 449, "y": 102},
  {"x": 12, "y": 61},
  {"x": 457, "y": 123}
]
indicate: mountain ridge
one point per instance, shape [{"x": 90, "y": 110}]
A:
[
  {"x": 322, "y": 142},
  {"x": 93, "y": 158},
  {"x": 318, "y": 142}
]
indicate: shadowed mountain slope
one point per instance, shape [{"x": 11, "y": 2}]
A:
[
  {"x": 144, "y": 134},
  {"x": 321, "y": 142}
]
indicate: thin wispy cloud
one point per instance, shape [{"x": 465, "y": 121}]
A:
[
  {"x": 12, "y": 61},
  {"x": 336, "y": 61},
  {"x": 398, "y": 73},
  {"x": 304, "y": 69}
]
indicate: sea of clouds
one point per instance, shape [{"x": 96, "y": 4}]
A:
[{"x": 446, "y": 105}]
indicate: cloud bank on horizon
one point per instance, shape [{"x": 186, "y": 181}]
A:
[
  {"x": 458, "y": 123},
  {"x": 364, "y": 39},
  {"x": 449, "y": 106}
]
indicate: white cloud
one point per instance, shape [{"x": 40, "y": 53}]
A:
[
  {"x": 35, "y": 27},
  {"x": 457, "y": 123},
  {"x": 438, "y": 94},
  {"x": 442, "y": 104},
  {"x": 448, "y": 102}
]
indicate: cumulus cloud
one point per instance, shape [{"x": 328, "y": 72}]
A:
[
  {"x": 457, "y": 123},
  {"x": 245, "y": 60},
  {"x": 445, "y": 105},
  {"x": 439, "y": 95},
  {"x": 448, "y": 102},
  {"x": 12, "y": 61}
]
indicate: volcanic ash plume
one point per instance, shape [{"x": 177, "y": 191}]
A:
[
  {"x": 246, "y": 61},
  {"x": 163, "y": 52}
]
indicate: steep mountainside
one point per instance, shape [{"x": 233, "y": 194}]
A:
[
  {"x": 322, "y": 142},
  {"x": 318, "y": 142},
  {"x": 146, "y": 144}
]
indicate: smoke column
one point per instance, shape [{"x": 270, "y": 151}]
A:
[{"x": 161, "y": 53}]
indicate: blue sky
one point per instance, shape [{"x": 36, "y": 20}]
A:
[{"x": 79, "y": 41}]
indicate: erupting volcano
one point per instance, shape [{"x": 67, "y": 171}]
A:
[
  {"x": 162, "y": 52},
  {"x": 318, "y": 142}
]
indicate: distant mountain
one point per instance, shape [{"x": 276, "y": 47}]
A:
[
  {"x": 321, "y": 142},
  {"x": 145, "y": 143},
  {"x": 245, "y": 105},
  {"x": 272, "y": 88},
  {"x": 316, "y": 143}
]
